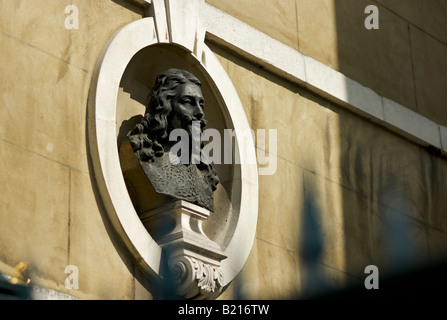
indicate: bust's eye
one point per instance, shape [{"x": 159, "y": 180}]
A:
[{"x": 186, "y": 100}]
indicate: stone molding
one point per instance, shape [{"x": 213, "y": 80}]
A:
[
  {"x": 282, "y": 60},
  {"x": 206, "y": 279},
  {"x": 193, "y": 259}
]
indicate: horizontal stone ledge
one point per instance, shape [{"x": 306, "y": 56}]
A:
[
  {"x": 411, "y": 124},
  {"x": 258, "y": 47},
  {"x": 282, "y": 60}
]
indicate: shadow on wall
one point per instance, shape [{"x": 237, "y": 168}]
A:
[
  {"x": 389, "y": 199},
  {"x": 381, "y": 169},
  {"x": 404, "y": 278},
  {"x": 312, "y": 242}
]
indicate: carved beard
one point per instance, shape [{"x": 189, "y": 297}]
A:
[
  {"x": 186, "y": 123},
  {"x": 195, "y": 139}
]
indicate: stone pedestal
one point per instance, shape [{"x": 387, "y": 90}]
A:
[{"x": 193, "y": 259}]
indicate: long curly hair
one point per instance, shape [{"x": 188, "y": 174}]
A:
[{"x": 148, "y": 135}]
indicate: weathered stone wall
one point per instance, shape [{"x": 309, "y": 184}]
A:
[
  {"x": 50, "y": 216},
  {"x": 403, "y": 60},
  {"x": 368, "y": 195},
  {"x": 364, "y": 194},
  {"x": 361, "y": 192}
]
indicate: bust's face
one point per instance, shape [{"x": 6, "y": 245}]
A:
[{"x": 187, "y": 106}]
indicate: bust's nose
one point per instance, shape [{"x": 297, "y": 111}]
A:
[{"x": 198, "y": 111}]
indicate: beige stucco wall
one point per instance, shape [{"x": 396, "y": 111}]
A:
[
  {"x": 354, "y": 182},
  {"x": 404, "y": 60},
  {"x": 49, "y": 214},
  {"x": 362, "y": 184}
]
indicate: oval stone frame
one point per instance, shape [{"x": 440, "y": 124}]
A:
[{"x": 102, "y": 106}]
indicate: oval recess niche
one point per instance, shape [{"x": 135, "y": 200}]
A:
[{"x": 122, "y": 79}]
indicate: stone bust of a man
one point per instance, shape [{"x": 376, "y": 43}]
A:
[{"x": 175, "y": 102}]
